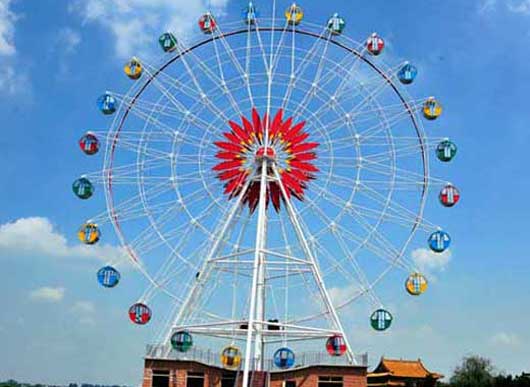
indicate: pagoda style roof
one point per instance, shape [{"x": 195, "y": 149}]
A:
[{"x": 403, "y": 369}]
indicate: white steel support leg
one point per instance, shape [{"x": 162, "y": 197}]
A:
[
  {"x": 197, "y": 286},
  {"x": 315, "y": 271},
  {"x": 257, "y": 309}
]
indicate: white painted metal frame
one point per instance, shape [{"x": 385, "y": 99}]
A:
[{"x": 262, "y": 268}]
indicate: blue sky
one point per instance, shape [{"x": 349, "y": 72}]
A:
[{"x": 57, "y": 56}]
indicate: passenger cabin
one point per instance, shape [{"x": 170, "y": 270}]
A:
[{"x": 405, "y": 373}]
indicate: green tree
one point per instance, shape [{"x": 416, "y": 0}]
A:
[{"x": 475, "y": 371}]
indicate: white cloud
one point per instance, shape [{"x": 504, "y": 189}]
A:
[
  {"x": 7, "y": 29},
  {"x": 516, "y": 6},
  {"x": 68, "y": 40},
  {"x": 66, "y": 43},
  {"x": 14, "y": 79},
  {"x": 36, "y": 236},
  {"x": 505, "y": 339},
  {"x": 84, "y": 310},
  {"x": 83, "y": 307},
  {"x": 487, "y": 6},
  {"x": 47, "y": 294},
  {"x": 429, "y": 261},
  {"x": 135, "y": 25},
  {"x": 341, "y": 295},
  {"x": 522, "y": 7}
]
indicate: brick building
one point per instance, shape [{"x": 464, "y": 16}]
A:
[{"x": 200, "y": 370}]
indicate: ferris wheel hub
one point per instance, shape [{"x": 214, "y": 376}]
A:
[
  {"x": 279, "y": 142},
  {"x": 265, "y": 153}
]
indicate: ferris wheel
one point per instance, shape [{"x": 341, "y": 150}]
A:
[{"x": 253, "y": 174}]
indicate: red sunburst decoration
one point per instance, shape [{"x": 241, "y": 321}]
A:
[{"x": 244, "y": 152}]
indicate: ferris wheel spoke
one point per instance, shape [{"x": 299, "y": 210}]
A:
[
  {"x": 312, "y": 91},
  {"x": 377, "y": 128},
  {"x": 370, "y": 213},
  {"x": 383, "y": 251},
  {"x": 203, "y": 99},
  {"x": 156, "y": 137},
  {"x": 214, "y": 79},
  {"x": 349, "y": 65},
  {"x": 193, "y": 197},
  {"x": 415, "y": 186},
  {"x": 316, "y": 79},
  {"x": 280, "y": 45},
  {"x": 355, "y": 140},
  {"x": 396, "y": 208},
  {"x": 138, "y": 213},
  {"x": 148, "y": 118},
  {"x": 186, "y": 52},
  {"x": 224, "y": 86},
  {"x": 334, "y": 126},
  {"x": 363, "y": 282},
  {"x": 164, "y": 275},
  {"x": 399, "y": 152},
  {"x": 404, "y": 175},
  {"x": 243, "y": 73},
  {"x": 346, "y": 86},
  {"x": 146, "y": 149},
  {"x": 160, "y": 277},
  {"x": 146, "y": 243},
  {"x": 248, "y": 57},
  {"x": 372, "y": 229},
  {"x": 130, "y": 204},
  {"x": 349, "y": 182},
  {"x": 344, "y": 94},
  {"x": 395, "y": 259},
  {"x": 123, "y": 171},
  {"x": 153, "y": 181},
  {"x": 338, "y": 265},
  {"x": 145, "y": 111},
  {"x": 173, "y": 82},
  {"x": 187, "y": 114},
  {"x": 287, "y": 94},
  {"x": 302, "y": 66},
  {"x": 363, "y": 118},
  {"x": 148, "y": 108},
  {"x": 318, "y": 86},
  {"x": 332, "y": 226},
  {"x": 261, "y": 46},
  {"x": 393, "y": 109}
]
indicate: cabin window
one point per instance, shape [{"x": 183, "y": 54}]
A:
[
  {"x": 195, "y": 379},
  {"x": 330, "y": 381},
  {"x": 160, "y": 378},
  {"x": 228, "y": 381}
]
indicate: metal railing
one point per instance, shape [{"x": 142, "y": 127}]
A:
[{"x": 213, "y": 358}]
